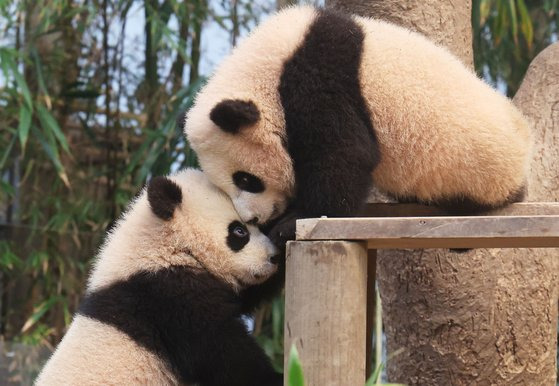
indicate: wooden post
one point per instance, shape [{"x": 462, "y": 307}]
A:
[
  {"x": 371, "y": 302},
  {"x": 326, "y": 310}
]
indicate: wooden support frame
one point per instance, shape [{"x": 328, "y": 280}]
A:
[
  {"x": 322, "y": 277},
  {"x": 329, "y": 283}
]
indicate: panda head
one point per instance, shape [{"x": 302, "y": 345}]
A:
[
  {"x": 185, "y": 220},
  {"x": 242, "y": 149},
  {"x": 206, "y": 226}
]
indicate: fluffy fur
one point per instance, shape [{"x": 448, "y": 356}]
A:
[
  {"x": 344, "y": 101},
  {"x": 164, "y": 302}
]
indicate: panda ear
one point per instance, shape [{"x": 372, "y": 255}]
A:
[
  {"x": 164, "y": 196},
  {"x": 231, "y": 114}
]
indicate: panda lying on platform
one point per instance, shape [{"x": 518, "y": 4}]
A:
[
  {"x": 315, "y": 105},
  {"x": 164, "y": 301}
]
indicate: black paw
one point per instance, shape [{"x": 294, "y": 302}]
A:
[{"x": 283, "y": 230}]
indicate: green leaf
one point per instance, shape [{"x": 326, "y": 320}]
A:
[
  {"x": 8, "y": 259},
  {"x": 7, "y": 151},
  {"x": 39, "y": 311},
  {"x": 21, "y": 83},
  {"x": 24, "y": 125},
  {"x": 7, "y": 188},
  {"x": 375, "y": 377},
  {"x": 526, "y": 23},
  {"x": 513, "y": 20},
  {"x": 49, "y": 123},
  {"x": 294, "y": 368},
  {"x": 52, "y": 154}
]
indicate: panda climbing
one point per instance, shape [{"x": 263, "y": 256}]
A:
[
  {"x": 315, "y": 106},
  {"x": 164, "y": 301}
]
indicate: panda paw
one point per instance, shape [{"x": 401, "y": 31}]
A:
[{"x": 283, "y": 230}]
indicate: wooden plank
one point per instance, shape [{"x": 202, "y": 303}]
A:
[
  {"x": 437, "y": 232},
  {"x": 325, "y": 310},
  {"x": 417, "y": 210},
  {"x": 371, "y": 300}
]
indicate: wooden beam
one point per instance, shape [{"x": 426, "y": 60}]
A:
[
  {"x": 437, "y": 232},
  {"x": 325, "y": 310},
  {"x": 417, "y": 210}
]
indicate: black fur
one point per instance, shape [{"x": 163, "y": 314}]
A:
[
  {"x": 330, "y": 136},
  {"x": 231, "y": 114},
  {"x": 465, "y": 206},
  {"x": 164, "y": 196},
  {"x": 329, "y": 132},
  {"x": 248, "y": 182},
  {"x": 234, "y": 241},
  {"x": 191, "y": 320},
  {"x": 254, "y": 296}
]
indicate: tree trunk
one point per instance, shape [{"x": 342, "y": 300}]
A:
[
  {"x": 487, "y": 316},
  {"x": 445, "y": 22}
]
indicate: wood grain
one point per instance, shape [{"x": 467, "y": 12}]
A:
[
  {"x": 373, "y": 209},
  {"x": 325, "y": 310},
  {"x": 437, "y": 232}
]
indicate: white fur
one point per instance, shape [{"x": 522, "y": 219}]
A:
[
  {"x": 95, "y": 353},
  {"x": 442, "y": 131}
]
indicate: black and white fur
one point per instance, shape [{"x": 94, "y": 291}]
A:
[
  {"x": 165, "y": 300},
  {"x": 315, "y": 105}
]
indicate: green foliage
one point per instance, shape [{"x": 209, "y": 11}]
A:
[
  {"x": 294, "y": 369},
  {"x": 88, "y": 113},
  {"x": 269, "y": 330},
  {"x": 508, "y": 34}
]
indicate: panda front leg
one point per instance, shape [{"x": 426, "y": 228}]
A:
[{"x": 335, "y": 184}]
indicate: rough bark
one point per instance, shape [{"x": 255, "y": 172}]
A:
[
  {"x": 488, "y": 316},
  {"x": 446, "y": 22}
]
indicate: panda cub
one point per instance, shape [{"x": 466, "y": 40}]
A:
[
  {"x": 315, "y": 106},
  {"x": 164, "y": 302}
]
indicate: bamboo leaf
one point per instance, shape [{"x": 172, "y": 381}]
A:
[
  {"x": 526, "y": 23},
  {"x": 24, "y": 125},
  {"x": 52, "y": 154},
  {"x": 49, "y": 123},
  {"x": 8, "y": 259},
  {"x": 7, "y": 151},
  {"x": 39, "y": 311},
  {"x": 7, "y": 188},
  {"x": 513, "y": 20},
  {"x": 375, "y": 377},
  {"x": 484, "y": 9},
  {"x": 20, "y": 81},
  {"x": 294, "y": 368}
]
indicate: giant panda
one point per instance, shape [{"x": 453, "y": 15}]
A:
[
  {"x": 314, "y": 106},
  {"x": 163, "y": 303}
]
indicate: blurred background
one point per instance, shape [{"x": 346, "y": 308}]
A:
[{"x": 89, "y": 94}]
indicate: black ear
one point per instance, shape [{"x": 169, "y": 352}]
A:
[
  {"x": 181, "y": 120},
  {"x": 231, "y": 114},
  {"x": 164, "y": 196}
]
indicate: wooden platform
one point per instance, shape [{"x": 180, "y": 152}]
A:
[{"x": 330, "y": 273}]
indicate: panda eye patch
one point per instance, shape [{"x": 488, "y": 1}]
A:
[
  {"x": 248, "y": 182},
  {"x": 238, "y": 236}
]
